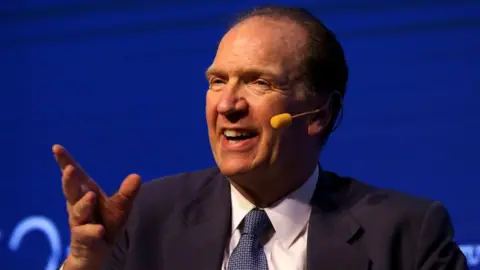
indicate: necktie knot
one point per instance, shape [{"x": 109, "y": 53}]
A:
[{"x": 255, "y": 222}]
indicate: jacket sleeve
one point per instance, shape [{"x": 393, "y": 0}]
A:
[
  {"x": 116, "y": 259},
  {"x": 435, "y": 247}
]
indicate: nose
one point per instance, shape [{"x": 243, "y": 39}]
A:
[{"x": 232, "y": 106}]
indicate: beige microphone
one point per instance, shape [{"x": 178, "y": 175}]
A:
[{"x": 284, "y": 120}]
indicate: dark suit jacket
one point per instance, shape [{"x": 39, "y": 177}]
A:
[{"x": 183, "y": 222}]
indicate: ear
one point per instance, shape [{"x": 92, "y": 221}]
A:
[{"x": 319, "y": 121}]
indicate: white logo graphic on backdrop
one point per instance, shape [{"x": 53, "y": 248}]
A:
[
  {"x": 472, "y": 252},
  {"x": 48, "y": 228}
]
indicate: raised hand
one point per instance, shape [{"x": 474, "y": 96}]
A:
[{"x": 94, "y": 218}]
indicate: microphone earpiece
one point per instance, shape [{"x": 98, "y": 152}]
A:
[
  {"x": 285, "y": 119},
  {"x": 281, "y": 120}
]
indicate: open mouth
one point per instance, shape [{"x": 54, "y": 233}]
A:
[{"x": 237, "y": 136}]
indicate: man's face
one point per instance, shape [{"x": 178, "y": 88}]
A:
[{"x": 254, "y": 77}]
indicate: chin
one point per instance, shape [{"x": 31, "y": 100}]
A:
[
  {"x": 236, "y": 166},
  {"x": 230, "y": 169}
]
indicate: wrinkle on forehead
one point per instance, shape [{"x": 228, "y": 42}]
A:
[
  {"x": 263, "y": 42},
  {"x": 281, "y": 33}
]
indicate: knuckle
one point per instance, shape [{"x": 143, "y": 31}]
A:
[
  {"x": 86, "y": 234},
  {"x": 79, "y": 250},
  {"x": 80, "y": 211},
  {"x": 87, "y": 257},
  {"x": 75, "y": 215},
  {"x": 86, "y": 244}
]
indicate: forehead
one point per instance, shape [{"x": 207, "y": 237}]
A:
[{"x": 261, "y": 44}]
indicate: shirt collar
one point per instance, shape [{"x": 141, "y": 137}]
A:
[{"x": 288, "y": 217}]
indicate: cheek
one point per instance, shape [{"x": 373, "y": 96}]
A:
[
  {"x": 281, "y": 139},
  {"x": 268, "y": 106},
  {"x": 210, "y": 109},
  {"x": 262, "y": 115}
]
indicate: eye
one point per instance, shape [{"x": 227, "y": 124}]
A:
[
  {"x": 262, "y": 83},
  {"x": 216, "y": 83}
]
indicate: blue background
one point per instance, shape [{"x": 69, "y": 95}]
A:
[{"x": 122, "y": 87}]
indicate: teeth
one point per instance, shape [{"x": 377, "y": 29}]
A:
[{"x": 234, "y": 133}]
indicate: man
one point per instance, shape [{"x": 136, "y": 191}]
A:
[{"x": 268, "y": 204}]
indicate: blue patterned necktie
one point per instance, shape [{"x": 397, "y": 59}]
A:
[{"x": 249, "y": 254}]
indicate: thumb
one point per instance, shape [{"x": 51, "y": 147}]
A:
[
  {"x": 113, "y": 212},
  {"x": 127, "y": 192}
]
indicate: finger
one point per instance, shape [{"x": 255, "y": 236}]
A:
[
  {"x": 72, "y": 187},
  {"x": 86, "y": 235},
  {"x": 128, "y": 190},
  {"x": 82, "y": 212},
  {"x": 64, "y": 159},
  {"x": 130, "y": 186}
]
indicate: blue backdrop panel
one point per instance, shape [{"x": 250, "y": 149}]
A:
[{"x": 122, "y": 87}]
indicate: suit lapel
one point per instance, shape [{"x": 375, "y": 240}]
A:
[
  {"x": 332, "y": 229},
  {"x": 199, "y": 242}
]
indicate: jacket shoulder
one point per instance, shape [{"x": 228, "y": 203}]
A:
[
  {"x": 159, "y": 196},
  {"x": 397, "y": 226},
  {"x": 396, "y": 203},
  {"x": 394, "y": 212},
  {"x": 363, "y": 198}
]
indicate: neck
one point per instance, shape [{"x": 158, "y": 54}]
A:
[{"x": 265, "y": 189}]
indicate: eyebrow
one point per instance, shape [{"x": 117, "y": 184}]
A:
[
  {"x": 215, "y": 71},
  {"x": 212, "y": 71}
]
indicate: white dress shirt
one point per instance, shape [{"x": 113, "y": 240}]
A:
[{"x": 286, "y": 249}]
